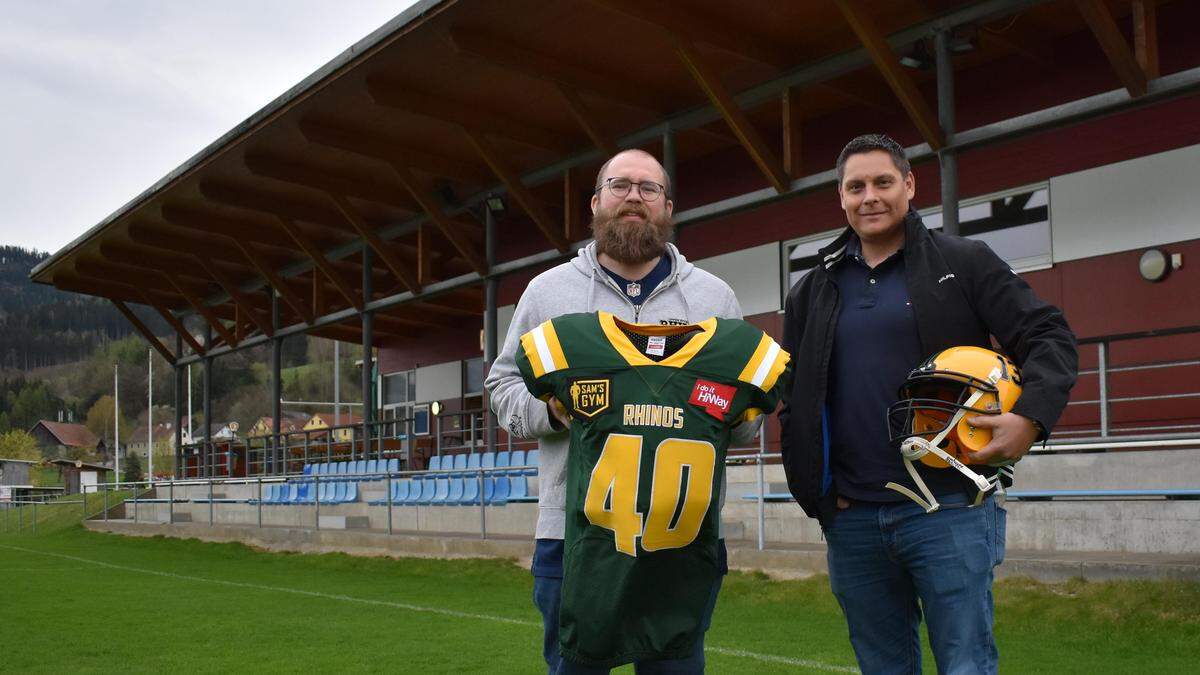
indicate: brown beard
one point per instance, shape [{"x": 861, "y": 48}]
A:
[{"x": 631, "y": 243}]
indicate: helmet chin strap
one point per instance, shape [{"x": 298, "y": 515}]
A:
[{"x": 913, "y": 449}]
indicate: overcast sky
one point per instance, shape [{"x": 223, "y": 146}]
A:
[{"x": 101, "y": 98}]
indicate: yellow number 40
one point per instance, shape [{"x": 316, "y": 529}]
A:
[{"x": 612, "y": 493}]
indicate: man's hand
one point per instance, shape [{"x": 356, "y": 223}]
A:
[
  {"x": 558, "y": 414},
  {"x": 1012, "y": 436}
]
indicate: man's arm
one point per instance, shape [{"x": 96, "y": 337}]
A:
[
  {"x": 745, "y": 431},
  {"x": 1034, "y": 333},
  {"x": 523, "y": 414}
]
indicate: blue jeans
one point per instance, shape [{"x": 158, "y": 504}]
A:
[
  {"x": 890, "y": 562},
  {"x": 547, "y": 595}
]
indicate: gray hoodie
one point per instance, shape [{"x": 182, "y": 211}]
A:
[{"x": 687, "y": 295}]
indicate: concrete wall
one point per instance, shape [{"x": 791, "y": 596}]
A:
[{"x": 1147, "y": 526}]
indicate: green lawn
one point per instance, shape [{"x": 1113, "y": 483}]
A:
[{"x": 88, "y": 602}]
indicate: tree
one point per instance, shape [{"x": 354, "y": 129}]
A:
[
  {"x": 17, "y": 444},
  {"x": 132, "y": 467},
  {"x": 100, "y": 419}
]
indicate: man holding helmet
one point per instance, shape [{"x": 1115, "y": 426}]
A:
[{"x": 887, "y": 301}]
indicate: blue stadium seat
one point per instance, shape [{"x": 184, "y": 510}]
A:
[
  {"x": 532, "y": 460},
  {"x": 340, "y": 470},
  {"x": 351, "y": 494},
  {"x": 500, "y": 488},
  {"x": 457, "y": 488},
  {"x": 470, "y": 493},
  {"x": 400, "y": 490},
  {"x": 441, "y": 490},
  {"x": 518, "y": 489},
  {"x": 360, "y": 468},
  {"x": 308, "y": 471},
  {"x": 393, "y": 465},
  {"x": 518, "y": 459},
  {"x": 460, "y": 465}
]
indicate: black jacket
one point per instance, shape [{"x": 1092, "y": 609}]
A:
[{"x": 961, "y": 293}]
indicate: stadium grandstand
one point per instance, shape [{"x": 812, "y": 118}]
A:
[{"x": 401, "y": 197}]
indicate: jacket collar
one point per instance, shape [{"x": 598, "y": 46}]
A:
[{"x": 915, "y": 234}]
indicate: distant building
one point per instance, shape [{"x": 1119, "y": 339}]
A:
[
  {"x": 326, "y": 420},
  {"x": 14, "y": 478},
  {"x": 164, "y": 440},
  {"x": 79, "y": 476},
  {"x": 289, "y": 422},
  {"x": 74, "y": 441}
]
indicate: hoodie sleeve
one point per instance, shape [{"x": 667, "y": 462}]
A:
[{"x": 523, "y": 414}]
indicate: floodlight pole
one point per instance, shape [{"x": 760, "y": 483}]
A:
[
  {"x": 276, "y": 390},
  {"x": 206, "y": 448},
  {"x": 178, "y": 408}
]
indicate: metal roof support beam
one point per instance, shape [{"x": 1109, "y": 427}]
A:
[
  {"x": 947, "y": 157},
  {"x": 573, "y": 187},
  {"x": 734, "y": 116},
  {"x": 181, "y": 331},
  {"x": 889, "y": 66},
  {"x": 240, "y": 299},
  {"x": 397, "y": 267},
  {"x": 425, "y": 254},
  {"x": 366, "y": 143},
  {"x": 587, "y": 120},
  {"x": 353, "y": 184},
  {"x": 1145, "y": 36},
  {"x": 792, "y": 121},
  {"x": 392, "y": 95},
  {"x": 212, "y": 321},
  {"x": 318, "y": 258},
  {"x": 517, "y": 190},
  {"x": 670, "y": 159},
  {"x": 1100, "y": 19},
  {"x": 450, "y": 229},
  {"x": 141, "y": 328},
  {"x": 1166, "y": 87},
  {"x": 280, "y": 286}
]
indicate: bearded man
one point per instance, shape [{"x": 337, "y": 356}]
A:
[{"x": 632, "y": 271}]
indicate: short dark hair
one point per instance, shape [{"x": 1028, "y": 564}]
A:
[
  {"x": 604, "y": 168},
  {"x": 870, "y": 143}
]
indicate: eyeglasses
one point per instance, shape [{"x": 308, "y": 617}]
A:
[{"x": 619, "y": 187}]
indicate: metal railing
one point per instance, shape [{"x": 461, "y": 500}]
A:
[
  {"x": 1106, "y": 400},
  {"x": 277, "y": 455}
]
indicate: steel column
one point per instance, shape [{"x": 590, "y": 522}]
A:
[
  {"x": 368, "y": 325},
  {"x": 490, "y": 322},
  {"x": 1102, "y": 369},
  {"x": 947, "y": 157},
  {"x": 276, "y": 384},
  {"x": 178, "y": 409},
  {"x": 207, "y": 447}
]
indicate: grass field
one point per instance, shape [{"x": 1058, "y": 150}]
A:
[{"x": 80, "y": 601}]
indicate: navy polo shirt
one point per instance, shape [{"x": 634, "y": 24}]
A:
[
  {"x": 640, "y": 289},
  {"x": 875, "y": 346}
]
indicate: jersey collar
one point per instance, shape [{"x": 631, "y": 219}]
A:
[{"x": 620, "y": 341}]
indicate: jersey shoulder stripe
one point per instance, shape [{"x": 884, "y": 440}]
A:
[
  {"x": 543, "y": 349},
  {"x": 766, "y": 364}
]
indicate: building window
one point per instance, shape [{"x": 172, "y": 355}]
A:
[
  {"x": 420, "y": 420},
  {"x": 1014, "y": 223},
  {"x": 473, "y": 377}
]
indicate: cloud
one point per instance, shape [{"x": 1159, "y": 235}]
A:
[{"x": 104, "y": 98}]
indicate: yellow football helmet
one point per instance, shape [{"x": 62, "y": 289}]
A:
[{"x": 930, "y": 419}]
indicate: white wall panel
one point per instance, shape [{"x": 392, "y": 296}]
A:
[
  {"x": 504, "y": 317},
  {"x": 1139, "y": 203},
  {"x": 439, "y": 382},
  {"x": 752, "y": 273}
]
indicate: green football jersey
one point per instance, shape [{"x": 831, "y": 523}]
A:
[{"x": 647, "y": 458}]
